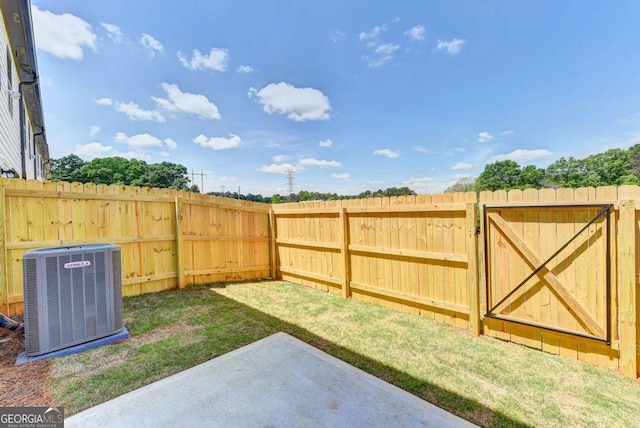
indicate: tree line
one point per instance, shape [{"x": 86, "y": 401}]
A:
[
  {"x": 117, "y": 170},
  {"x": 305, "y": 196},
  {"x": 168, "y": 175},
  {"x": 614, "y": 167}
]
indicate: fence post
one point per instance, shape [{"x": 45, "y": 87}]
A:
[
  {"x": 182, "y": 280},
  {"x": 627, "y": 288},
  {"x": 273, "y": 255},
  {"x": 4, "y": 285},
  {"x": 472, "y": 269},
  {"x": 482, "y": 260},
  {"x": 346, "y": 290}
]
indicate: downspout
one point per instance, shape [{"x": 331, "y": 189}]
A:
[
  {"x": 23, "y": 135},
  {"x": 35, "y": 155},
  {"x": 23, "y": 155}
]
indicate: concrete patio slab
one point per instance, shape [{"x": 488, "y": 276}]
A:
[{"x": 278, "y": 381}]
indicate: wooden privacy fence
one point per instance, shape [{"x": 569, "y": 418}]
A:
[
  {"x": 168, "y": 237},
  {"x": 415, "y": 254},
  {"x": 560, "y": 272},
  {"x": 550, "y": 269}
]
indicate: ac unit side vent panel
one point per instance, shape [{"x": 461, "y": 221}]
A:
[
  {"x": 117, "y": 290},
  {"x": 31, "y": 304},
  {"x": 73, "y": 295}
]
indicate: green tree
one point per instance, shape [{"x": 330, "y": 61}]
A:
[
  {"x": 610, "y": 166},
  {"x": 569, "y": 172},
  {"x": 531, "y": 177},
  {"x": 499, "y": 175},
  {"x": 634, "y": 159},
  {"x": 113, "y": 170},
  {"x": 465, "y": 184},
  {"x": 118, "y": 170},
  {"x": 65, "y": 168},
  {"x": 165, "y": 175}
]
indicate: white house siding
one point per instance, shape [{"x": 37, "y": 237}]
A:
[
  {"x": 9, "y": 122},
  {"x": 10, "y": 144}
]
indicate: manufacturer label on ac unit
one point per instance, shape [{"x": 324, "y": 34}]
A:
[{"x": 73, "y": 265}]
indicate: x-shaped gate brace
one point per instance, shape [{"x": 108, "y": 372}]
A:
[{"x": 572, "y": 304}]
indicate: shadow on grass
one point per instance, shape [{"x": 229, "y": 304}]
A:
[{"x": 227, "y": 325}]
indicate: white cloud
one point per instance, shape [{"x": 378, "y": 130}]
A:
[
  {"x": 189, "y": 103},
  {"x": 462, "y": 165},
  {"x": 373, "y": 34},
  {"x": 342, "y": 176},
  {"x": 219, "y": 143},
  {"x": 386, "y": 49},
  {"x": 457, "y": 177},
  {"x": 216, "y": 60},
  {"x": 104, "y": 101},
  {"x": 165, "y": 104},
  {"x": 505, "y": 133},
  {"x": 416, "y": 33},
  {"x": 299, "y": 104},
  {"x": 139, "y": 140},
  {"x": 91, "y": 150},
  {"x": 94, "y": 130},
  {"x": 325, "y": 143},
  {"x": 151, "y": 44},
  {"x": 165, "y": 154},
  {"x": 281, "y": 168},
  {"x": 419, "y": 183},
  {"x": 320, "y": 163},
  {"x": 337, "y": 36},
  {"x": 135, "y": 112},
  {"x": 521, "y": 156},
  {"x": 386, "y": 152},
  {"x": 395, "y": 19},
  {"x": 64, "y": 36},
  {"x": 381, "y": 52},
  {"x": 114, "y": 32},
  {"x": 228, "y": 178},
  {"x": 451, "y": 46},
  {"x": 244, "y": 69},
  {"x": 420, "y": 149},
  {"x": 170, "y": 143},
  {"x": 133, "y": 155},
  {"x": 281, "y": 158},
  {"x": 483, "y": 137},
  {"x": 377, "y": 61}
]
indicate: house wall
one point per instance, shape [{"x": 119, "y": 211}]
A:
[{"x": 9, "y": 120}]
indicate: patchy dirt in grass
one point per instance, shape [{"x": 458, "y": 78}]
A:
[
  {"x": 107, "y": 357},
  {"x": 164, "y": 333},
  {"x": 24, "y": 385}
]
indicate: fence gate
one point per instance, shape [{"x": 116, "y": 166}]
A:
[{"x": 548, "y": 266}]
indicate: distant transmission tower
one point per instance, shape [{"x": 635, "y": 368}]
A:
[
  {"x": 290, "y": 188},
  {"x": 202, "y": 176}
]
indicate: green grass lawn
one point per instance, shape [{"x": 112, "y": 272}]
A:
[{"x": 483, "y": 380}]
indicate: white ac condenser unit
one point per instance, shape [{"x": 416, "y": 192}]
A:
[{"x": 72, "y": 295}]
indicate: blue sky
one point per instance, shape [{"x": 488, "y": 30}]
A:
[{"x": 350, "y": 95}]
